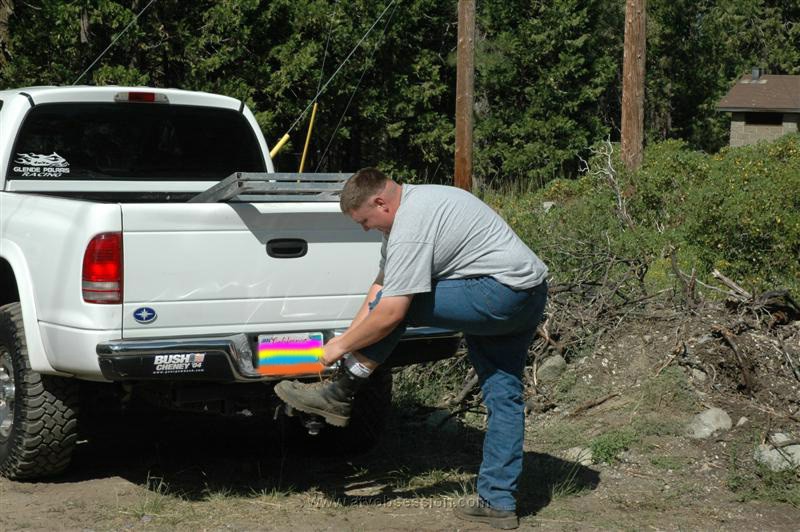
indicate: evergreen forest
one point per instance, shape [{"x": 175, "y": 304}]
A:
[{"x": 548, "y": 74}]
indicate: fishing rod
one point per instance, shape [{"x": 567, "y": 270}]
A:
[{"x": 285, "y": 137}]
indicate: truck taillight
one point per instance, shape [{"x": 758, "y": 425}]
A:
[{"x": 102, "y": 269}]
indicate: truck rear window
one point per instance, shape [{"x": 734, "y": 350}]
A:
[{"x": 133, "y": 141}]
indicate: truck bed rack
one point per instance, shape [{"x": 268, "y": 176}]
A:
[{"x": 252, "y": 186}]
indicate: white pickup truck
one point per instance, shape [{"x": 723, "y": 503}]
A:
[{"x": 127, "y": 258}]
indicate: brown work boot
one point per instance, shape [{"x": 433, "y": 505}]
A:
[
  {"x": 479, "y": 511},
  {"x": 331, "y": 399}
]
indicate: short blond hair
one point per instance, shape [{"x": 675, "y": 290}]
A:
[{"x": 363, "y": 184}]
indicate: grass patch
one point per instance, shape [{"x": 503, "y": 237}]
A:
[
  {"x": 546, "y": 478},
  {"x": 404, "y": 480},
  {"x": 753, "y": 481},
  {"x": 565, "y": 385},
  {"x": 220, "y": 494},
  {"x": 674, "y": 463},
  {"x": 562, "y": 434},
  {"x": 670, "y": 389},
  {"x": 568, "y": 483},
  {"x": 657, "y": 425},
  {"x": 159, "y": 503},
  {"x": 155, "y": 499},
  {"x": 436, "y": 482},
  {"x": 572, "y": 390},
  {"x": 275, "y": 492},
  {"x": 606, "y": 447}
]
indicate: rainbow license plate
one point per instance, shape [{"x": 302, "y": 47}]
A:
[{"x": 290, "y": 353}]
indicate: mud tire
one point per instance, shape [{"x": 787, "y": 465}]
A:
[{"x": 39, "y": 438}]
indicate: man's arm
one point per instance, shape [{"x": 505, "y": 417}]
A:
[
  {"x": 373, "y": 327},
  {"x": 377, "y": 285}
]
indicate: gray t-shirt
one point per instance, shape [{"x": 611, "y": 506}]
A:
[{"x": 442, "y": 232}]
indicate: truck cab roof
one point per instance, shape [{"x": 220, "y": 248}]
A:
[
  {"x": 113, "y": 93},
  {"x": 122, "y": 136}
]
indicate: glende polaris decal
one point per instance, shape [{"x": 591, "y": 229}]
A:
[
  {"x": 41, "y": 166},
  {"x": 182, "y": 363}
]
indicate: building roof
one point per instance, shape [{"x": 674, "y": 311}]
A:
[{"x": 768, "y": 93}]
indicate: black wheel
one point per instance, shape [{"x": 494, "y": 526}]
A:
[
  {"x": 38, "y": 413},
  {"x": 370, "y": 410}
]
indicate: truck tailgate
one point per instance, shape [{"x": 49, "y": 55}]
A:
[{"x": 212, "y": 268}]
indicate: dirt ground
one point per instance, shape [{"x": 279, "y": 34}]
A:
[{"x": 191, "y": 472}]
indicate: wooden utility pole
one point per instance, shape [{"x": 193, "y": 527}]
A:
[
  {"x": 633, "y": 83},
  {"x": 465, "y": 93}
]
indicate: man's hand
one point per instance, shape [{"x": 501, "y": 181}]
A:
[
  {"x": 382, "y": 320},
  {"x": 331, "y": 352}
]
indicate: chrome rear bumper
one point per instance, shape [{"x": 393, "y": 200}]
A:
[{"x": 231, "y": 359}]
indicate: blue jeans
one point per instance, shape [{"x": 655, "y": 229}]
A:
[{"x": 498, "y": 324}]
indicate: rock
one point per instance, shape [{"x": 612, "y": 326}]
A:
[
  {"x": 581, "y": 455},
  {"x": 547, "y": 205},
  {"x": 707, "y": 423},
  {"x": 778, "y": 459},
  {"x": 742, "y": 421},
  {"x": 698, "y": 375},
  {"x": 441, "y": 420},
  {"x": 551, "y": 369}
]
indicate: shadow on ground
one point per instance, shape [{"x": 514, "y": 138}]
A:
[{"x": 194, "y": 456}]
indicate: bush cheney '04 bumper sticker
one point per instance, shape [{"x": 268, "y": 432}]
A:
[
  {"x": 39, "y": 165},
  {"x": 180, "y": 363}
]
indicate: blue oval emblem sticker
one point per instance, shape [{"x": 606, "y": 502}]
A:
[{"x": 145, "y": 315}]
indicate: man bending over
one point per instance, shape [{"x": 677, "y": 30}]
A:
[{"x": 447, "y": 260}]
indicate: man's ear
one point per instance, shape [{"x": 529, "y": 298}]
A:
[{"x": 380, "y": 201}]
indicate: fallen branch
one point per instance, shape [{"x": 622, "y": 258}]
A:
[
  {"x": 728, "y": 337},
  {"x": 688, "y": 287},
  {"x": 781, "y": 445},
  {"x": 466, "y": 390},
  {"x": 469, "y": 408},
  {"x": 741, "y": 293},
  {"x": 769, "y": 410},
  {"x": 714, "y": 288},
  {"x": 779, "y": 305},
  {"x": 544, "y": 333},
  {"x": 778, "y": 446},
  {"x": 679, "y": 349},
  {"x": 593, "y": 403},
  {"x": 639, "y": 300}
]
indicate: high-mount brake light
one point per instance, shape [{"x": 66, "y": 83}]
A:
[
  {"x": 102, "y": 269},
  {"x": 141, "y": 96}
]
